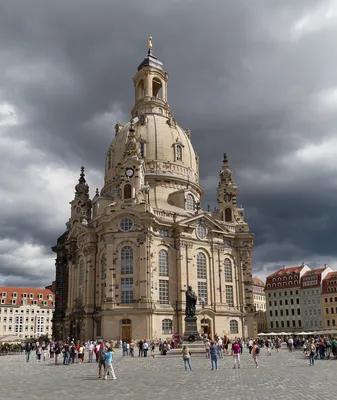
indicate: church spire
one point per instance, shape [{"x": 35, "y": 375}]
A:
[
  {"x": 227, "y": 193},
  {"x": 150, "y": 84}
]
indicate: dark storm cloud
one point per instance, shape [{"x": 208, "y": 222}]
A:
[{"x": 245, "y": 76}]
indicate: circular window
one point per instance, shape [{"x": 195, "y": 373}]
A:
[
  {"x": 201, "y": 232},
  {"x": 126, "y": 224}
]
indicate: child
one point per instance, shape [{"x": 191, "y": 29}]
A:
[{"x": 108, "y": 363}]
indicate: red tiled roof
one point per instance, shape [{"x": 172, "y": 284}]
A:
[
  {"x": 316, "y": 271},
  {"x": 9, "y": 290},
  {"x": 330, "y": 275},
  {"x": 283, "y": 271},
  {"x": 257, "y": 281}
]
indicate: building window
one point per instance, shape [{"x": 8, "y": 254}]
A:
[
  {"x": 163, "y": 291},
  {"x": 201, "y": 231},
  {"x": 18, "y": 327},
  {"x": 163, "y": 232},
  {"x": 233, "y": 326},
  {"x": 81, "y": 273},
  {"x": 202, "y": 292},
  {"x": 228, "y": 215},
  {"x": 126, "y": 224},
  {"x": 228, "y": 270},
  {"x": 229, "y": 295},
  {"x": 127, "y": 290},
  {"x": 127, "y": 191},
  {"x": 201, "y": 266},
  {"x": 190, "y": 202},
  {"x": 166, "y": 326},
  {"x": 31, "y": 295},
  {"x": 163, "y": 263},
  {"x": 179, "y": 152},
  {"x": 40, "y": 326},
  {"x": 127, "y": 260},
  {"x": 142, "y": 149}
]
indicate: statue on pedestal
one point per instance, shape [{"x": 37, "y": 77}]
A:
[{"x": 191, "y": 302}]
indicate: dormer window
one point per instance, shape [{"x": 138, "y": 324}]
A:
[
  {"x": 50, "y": 297},
  {"x": 4, "y": 294},
  {"x": 15, "y": 295},
  {"x": 40, "y": 296},
  {"x": 179, "y": 153},
  {"x": 31, "y": 295},
  {"x": 24, "y": 295},
  {"x": 190, "y": 202}
]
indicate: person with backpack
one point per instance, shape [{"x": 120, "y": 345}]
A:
[
  {"x": 101, "y": 360},
  {"x": 256, "y": 354}
]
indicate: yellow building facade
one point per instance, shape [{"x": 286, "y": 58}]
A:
[{"x": 131, "y": 252}]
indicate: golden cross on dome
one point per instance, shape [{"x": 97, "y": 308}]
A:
[{"x": 150, "y": 43}]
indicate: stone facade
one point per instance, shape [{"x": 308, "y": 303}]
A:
[
  {"x": 311, "y": 298},
  {"x": 329, "y": 300},
  {"x": 129, "y": 254},
  {"x": 259, "y": 297},
  {"x": 26, "y": 312}
]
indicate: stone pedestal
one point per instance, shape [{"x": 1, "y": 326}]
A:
[{"x": 191, "y": 333}]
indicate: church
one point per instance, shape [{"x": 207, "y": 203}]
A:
[{"x": 129, "y": 254}]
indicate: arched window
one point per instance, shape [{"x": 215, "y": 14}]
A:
[
  {"x": 103, "y": 270},
  {"x": 163, "y": 263},
  {"x": 228, "y": 270},
  {"x": 140, "y": 90},
  {"x": 201, "y": 266},
  {"x": 179, "y": 152},
  {"x": 127, "y": 260},
  {"x": 126, "y": 321},
  {"x": 127, "y": 191},
  {"x": 228, "y": 215},
  {"x": 81, "y": 273},
  {"x": 166, "y": 326},
  {"x": 233, "y": 326},
  {"x": 157, "y": 88},
  {"x": 190, "y": 202}
]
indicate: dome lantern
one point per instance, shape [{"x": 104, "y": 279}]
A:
[{"x": 150, "y": 84}]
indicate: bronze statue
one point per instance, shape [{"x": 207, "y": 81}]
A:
[{"x": 191, "y": 302}]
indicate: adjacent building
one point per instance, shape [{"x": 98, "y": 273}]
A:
[
  {"x": 128, "y": 255},
  {"x": 329, "y": 300},
  {"x": 283, "y": 294},
  {"x": 260, "y": 306},
  {"x": 311, "y": 298},
  {"x": 26, "y": 312}
]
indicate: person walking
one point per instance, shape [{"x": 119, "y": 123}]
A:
[
  {"x": 28, "y": 350},
  {"x": 145, "y": 348},
  {"x": 236, "y": 354},
  {"x": 101, "y": 360},
  {"x": 57, "y": 353},
  {"x": 311, "y": 350},
  {"x": 108, "y": 363},
  {"x": 214, "y": 356},
  {"x": 267, "y": 344},
  {"x": 256, "y": 354},
  {"x": 186, "y": 357},
  {"x": 207, "y": 349},
  {"x": 91, "y": 348}
]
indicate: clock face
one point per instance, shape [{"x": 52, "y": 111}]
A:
[{"x": 129, "y": 172}]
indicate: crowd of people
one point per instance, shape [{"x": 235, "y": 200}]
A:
[{"x": 71, "y": 352}]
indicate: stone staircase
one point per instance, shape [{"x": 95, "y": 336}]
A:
[{"x": 197, "y": 349}]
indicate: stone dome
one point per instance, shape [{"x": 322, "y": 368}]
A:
[{"x": 159, "y": 138}]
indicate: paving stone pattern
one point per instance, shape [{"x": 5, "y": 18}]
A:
[{"x": 283, "y": 375}]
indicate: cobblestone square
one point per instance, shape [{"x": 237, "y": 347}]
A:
[{"x": 282, "y": 375}]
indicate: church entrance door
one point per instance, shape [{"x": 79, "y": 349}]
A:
[
  {"x": 206, "y": 327},
  {"x": 126, "y": 330}
]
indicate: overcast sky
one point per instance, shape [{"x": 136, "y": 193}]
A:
[{"x": 256, "y": 79}]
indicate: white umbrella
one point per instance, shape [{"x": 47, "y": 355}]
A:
[{"x": 262, "y": 334}]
